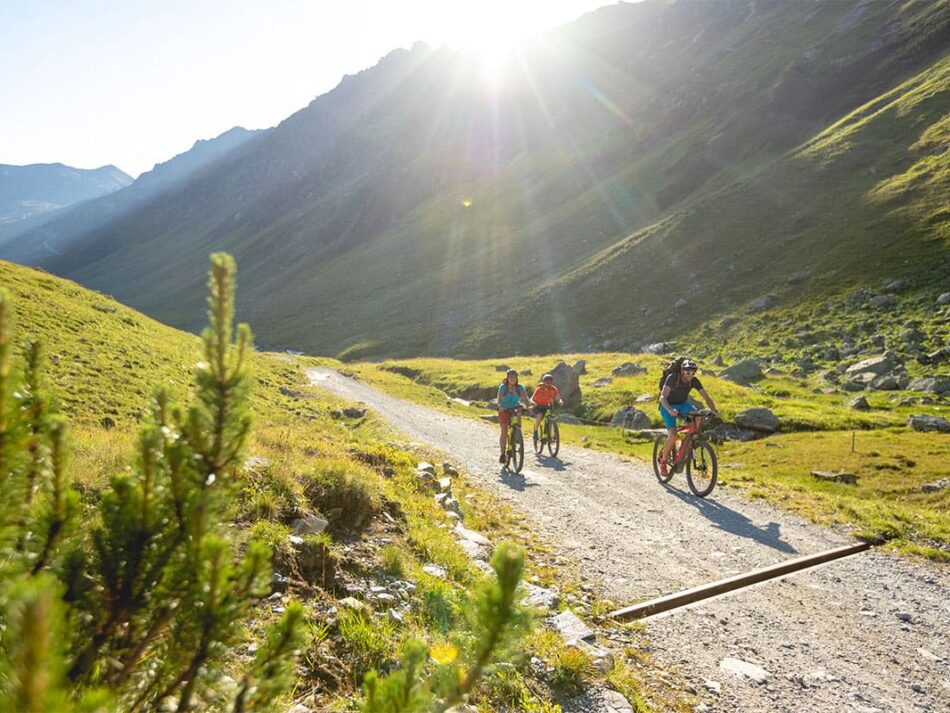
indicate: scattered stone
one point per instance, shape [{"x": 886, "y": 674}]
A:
[
  {"x": 885, "y": 382},
  {"x": 841, "y": 477},
  {"x": 888, "y": 300},
  {"x": 944, "y": 299},
  {"x": 681, "y": 302},
  {"x": 255, "y": 463},
  {"x": 628, "y": 369},
  {"x": 353, "y": 412},
  {"x": 444, "y": 484},
  {"x": 300, "y": 708},
  {"x": 450, "y": 470},
  {"x": 713, "y": 687},
  {"x": 876, "y": 365},
  {"x": 434, "y": 570},
  {"x": 309, "y": 525},
  {"x": 859, "y": 404},
  {"x": 615, "y": 702},
  {"x": 427, "y": 467},
  {"x": 658, "y": 348},
  {"x": 762, "y": 303},
  {"x": 395, "y": 616},
  {"x": 905, "y": 616},
  {"x": 278, "y": 582},
  {"x": 605, "y": 381},
  {"x": 463, "y": 533},
  {"x": 743, "y": 372},
  {"x": 645, "y": 398},
  {"x": 738, "y": 667},
  {"x": 932, "y": 385},
  {"x": 352, "y": 603},
  {"x": 937, "y": 486},
  {"x": 921, "y": 422},
  {"x": 758, "y": 419},
  {"x": 600, "y": 658},
  {"x": 502, "y": 367},
  {"x": 540, "y": 597},
  {"x": 571, "y": 628},
  {"x": 107, "y": 422},
  {"x": 630, "y": 417},
  {"x": 580, "y": 366}
]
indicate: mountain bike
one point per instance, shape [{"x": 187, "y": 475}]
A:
[
  {"x": 515, "y": 452},
  {"x": 691, "y": 452},
  {"x": 548, "y": 433}
]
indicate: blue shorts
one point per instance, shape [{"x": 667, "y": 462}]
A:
[{"x": 668, "y": 418}]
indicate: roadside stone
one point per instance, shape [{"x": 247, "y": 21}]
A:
[
  {"x": 434, "y": 570},
  {"x": 600, "y": 658},
  {"x": 628, "y": 369},
  {"x": 309, "y": 525},
  {"x": 827, "y": 476},
  {"x": 758, "y": 419},
  {"x": 444, "y": 484},
  {"x": 352, "y": 603},
  {"x": 427, "y": 467},
  {"x": 939, "y": 485},
  {"x": 905, "y": 616},
  {"x": 743, "y": 372},
  {"x": 630, "y": 417},
  {"x": 859, "y": 404},
  {"x": 852, "y": 386},
  {"x": 744, "y": 669},
  {"x": 713, "y": 687},
  {"x": 605, "y": 381},
  {"x": 571, "y": 628},
  {"x": 464, "y": 533},
  {"x": 615, "y": 702},
  {"x": 489, "y": 417},
  {"x": 922, "y": 422},
  {"x": 540, "y": 597},
  {"x": 450, "y": 470}
]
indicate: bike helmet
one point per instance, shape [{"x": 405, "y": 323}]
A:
[
  {"x": 546, "y": 377},
  {"x": 688, "y": 365}
]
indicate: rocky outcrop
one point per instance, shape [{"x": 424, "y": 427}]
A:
[
  {"x": 743, "y": 372},
  {"x": 568, "y": 384}
]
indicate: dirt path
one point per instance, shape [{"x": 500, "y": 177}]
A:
[{"x": 862, "y": 634}]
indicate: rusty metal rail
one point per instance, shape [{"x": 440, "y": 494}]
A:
[{"x": 707, "y": 591}]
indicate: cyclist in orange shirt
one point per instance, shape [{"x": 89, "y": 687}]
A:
[{"x": 545, "y": 396}]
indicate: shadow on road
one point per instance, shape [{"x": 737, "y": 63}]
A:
[
  {"x": 515, "y": 481},
  {"x": 735, "y": 522},
  {"x": 552, "y": 463}
]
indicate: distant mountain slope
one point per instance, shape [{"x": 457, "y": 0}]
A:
[
  {"x": 43, "y": 187},
  {"x": 34, "y": 239},
  {"x": 644, "y": 154}
]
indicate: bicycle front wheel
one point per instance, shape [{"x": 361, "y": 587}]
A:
[
  {"x": 538, "y": 437},
  {"x": 554, "y": 438},
  {"x": 516, "y": 454},
  {"x": 702, "y": 470},
  {"x": 657, "y": 449}
]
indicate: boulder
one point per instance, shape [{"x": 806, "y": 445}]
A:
[
  {"x": 880, "y": 364},
  {"x": 859, "y": 404},
  {"x": 743, "y": 372},
  {"x": 758, "y": 419},
  {"x": 309, "y": 525},
  {"x": 502, "y": 367},
  {"x": 580, "y": 367},
  {"x": 885, "y": 382},
  {"x": 631, "y": 418},
  {"x": 935, "y": 487},
  {"x": 888, "y": 300},
  {"x": 353, "y": 412},
  {"x": 847, "y": 478},
  {"x": 628, "y": 369},
  {"x": 718, "y": 361},
  {"x": 930, "y": 384},
  {"x": 944, "y": 299},
  {"x": 658, "y": 348},
  {"x": 567, "y": 383},
  {"x": 605, "y": 381},
  {"x": 921, "y": 422},
  {"x": 762, "y": 303}
]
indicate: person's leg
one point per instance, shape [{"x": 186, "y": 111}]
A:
[
  {"x": 668, "y": 446},
  {"x": 503, "y": 437},
  {"x": 537, "y": 422}
]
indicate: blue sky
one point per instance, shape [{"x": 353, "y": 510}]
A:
[{"x": 134, "y": 82}]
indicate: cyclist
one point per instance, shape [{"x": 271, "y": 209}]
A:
[
  {"x": 511, "y": 395},
  {"x": 674, "y": 401},
  {"x": 543, "y": 398}
]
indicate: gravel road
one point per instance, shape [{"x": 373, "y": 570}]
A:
[{"x": 866, "y": 633}]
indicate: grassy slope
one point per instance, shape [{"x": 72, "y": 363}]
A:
[
  {"x": 891, "y": 461},
  {"x": 311, "y": 462}
]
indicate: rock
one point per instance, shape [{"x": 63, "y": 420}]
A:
[
  {"x": 278, "y": 582},
  {"x": 859, "y": 404},
  {"x": 426, "y": 467},
  {"x": 884, "y": 382},
  {"x": 631, "y": 418},
  {"x": 941, "y": 484},
  {"x": 603, "y": 382},
  {"x": 888, "y": 300},
  {"x": 921, "y": 422},
  {"x": 434, "y": 570},
  {"x": 300, "y": 708},
  {"x": 450, "y": 470},
  {"x": 568, "y": 384},
  {"x": 738, "y": 667},
  {"x": 944, "y": 299},
  {"x": 540, "y": 598},
  {"x": 309, "y": 525},
  {"x": 743, "y": 372},
  {"x": 448, "y": 503},
  {"x": 831, "y": 354},
  {"x": 681, "y": 302},
  {"x": 601, "y": 659},
  {"x": 877, "y": 365},
  {"x": 628, "y": 369},
  {"x": 936, "y": 357},
  {"x": 444, "y": 484},
  {"x": 930, "y": 384},
  {"x": 352, "y": 603},
  {"x": 353, "y": 412},
  {"x": 718, "y": 361},
  {"x": 526, "y": 372},
  {"x": 645, "y": 398},
  {"x": 502, "y": 367},
  {"x": 762, "y": 303},
  {"x": 658, "y": 348},
  {"x": 853, "y": 386},
  {"x": 905, "y": 616},
  {"x": 758, "y": 419},
  {"x": 107, "y": 422},
  {"x": 463, "y": 533},
  {"x": 571, "y": 628},
  {"x": 255, "y": 463},
  {"x": 713, "y": 687},
  {"x": 580, "y": 367},
  {"x": 847, "y": 478},
  {"x": 615, "y": 702}
]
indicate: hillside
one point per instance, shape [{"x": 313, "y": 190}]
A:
[
  {"x": 43, "y": 187},
  {"x": 693, "y": 153}
]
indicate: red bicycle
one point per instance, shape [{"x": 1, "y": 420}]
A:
[{"x": 691, "y": 452}]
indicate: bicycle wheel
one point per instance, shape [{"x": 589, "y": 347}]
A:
[
  {"x": 657, "y": 448},
  {"x": 538, "y": 438},
  {"x": 516, "y": 452},
  {"x": 554, "y": 438},
  {"x": 702, "y": 470}
]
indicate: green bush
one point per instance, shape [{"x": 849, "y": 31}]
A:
[{"x": 343, "y": 494}]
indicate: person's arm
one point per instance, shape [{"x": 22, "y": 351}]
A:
[
  {"x": 708, "y": 400},
  {"x": 498, "y": 400},
  {"x": 524, "y": 398},
  {"x": 533, "y": 402},
  {"x": 664, "y": 395}
]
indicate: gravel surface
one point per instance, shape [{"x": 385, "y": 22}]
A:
[{"x": 865, "y": 633}]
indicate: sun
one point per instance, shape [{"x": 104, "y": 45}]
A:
[{"x": 494, "y": 33}]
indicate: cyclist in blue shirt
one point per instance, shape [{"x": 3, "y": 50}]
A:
[
  {"x": 674, "y": 401},
  {"x": 511, "y": 395}
]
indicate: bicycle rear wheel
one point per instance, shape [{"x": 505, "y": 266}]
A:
[
  {"x": 516, "y": 452},
  {"x": 702, "y": 470},
  {"x": 657, "y": 449},
  {"x": 554, "y": 438}
]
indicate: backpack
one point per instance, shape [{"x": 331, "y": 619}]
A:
[{"x": 672, "y": 368}]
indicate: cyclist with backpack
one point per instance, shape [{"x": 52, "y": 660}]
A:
[
  {"x": 511, "y": 395},
  {"x": 678, "y": 379},
  {"x": 543, "y": 398}
]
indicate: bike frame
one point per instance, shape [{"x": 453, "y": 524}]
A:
[
  {"x": 545, "y": 419},
  {"x": 685, "y": 436},
  {"x": 513, "y": 422}
]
